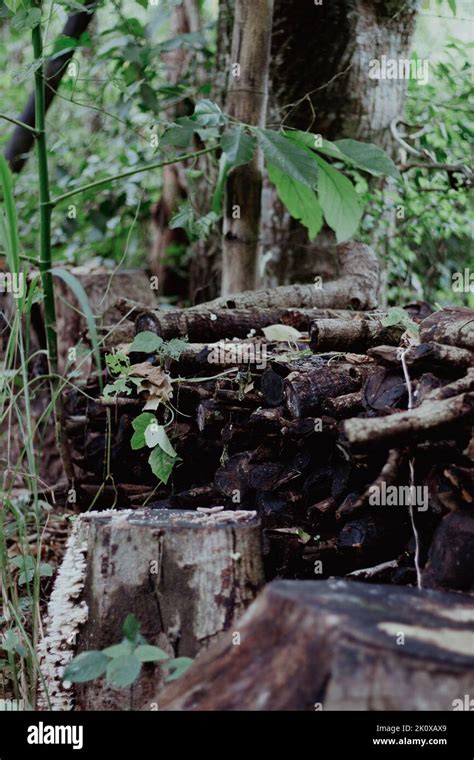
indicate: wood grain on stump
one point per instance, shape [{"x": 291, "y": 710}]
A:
[
  {"x": 336, "y": 645},
  {"x": 185, "y": 575}
]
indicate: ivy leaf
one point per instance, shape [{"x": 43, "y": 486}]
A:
[
  {"x": 85, "y": 667},
  {"x": 369, "y": 157},
  {"x": 161, "y": 464},
  {"x": 139, "y": 425},
  {"x": 238, "y": 146},
  {"x": 208, "y": 114},
  {"x": 301, "y": 202},
  {"x": 177, "y": 667},
  {"x": 146, "y": 342},
  {"x": 131, "y": 627},
  {"x": 293, "y": 160},
  {"x": 148, "y": 653},
  {"x": 339, "y": 201},
  {"x": 123, "y": 671}
]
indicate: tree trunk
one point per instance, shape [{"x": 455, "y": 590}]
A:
[
  {"x": 247, "y": 102},
  {"x": 185, "y": 575},
  {"x": 336, "y": 645}
]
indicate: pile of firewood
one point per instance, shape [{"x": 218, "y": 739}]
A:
[{"x": 313, "y": 431}]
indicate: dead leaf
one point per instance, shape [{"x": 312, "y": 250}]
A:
[
  {"x": 281, "y": 333},
  {"x": 156, "y": 383}
]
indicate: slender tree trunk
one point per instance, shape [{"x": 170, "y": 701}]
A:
[{"x": 246, "y": 101}]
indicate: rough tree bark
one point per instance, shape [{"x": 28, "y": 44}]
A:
[{"x": 247, "y": 102}]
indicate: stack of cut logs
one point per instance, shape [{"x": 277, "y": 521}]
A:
[{"x": 349, "y": 438}]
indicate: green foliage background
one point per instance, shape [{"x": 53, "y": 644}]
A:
[{"x": 121, "y": 72}]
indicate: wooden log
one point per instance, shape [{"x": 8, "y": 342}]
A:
[
  {"x": 449, "y": 359},
  {"x": 451, "y": 557},
  {"x": 185, "y": 575},
  {"x": 463, "y": 385},
  {"x": 351, "y": 335},
  {"x": 305, "y": 392},
  {"x": 207, "y": 324},
  {"x": 418, "y": 423},
  {"x": 344, "y": 406},
  {"x": 453, "y": 327},
  {"x": 334, "y": 645},
  {"x": 357, "y": 287}
]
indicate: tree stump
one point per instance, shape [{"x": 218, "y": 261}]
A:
[
  {"x": 336, "y": 645},
  {"x": 186, "y": 575}
]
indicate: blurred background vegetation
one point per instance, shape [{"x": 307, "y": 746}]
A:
[{"x": 104, "y": 118}]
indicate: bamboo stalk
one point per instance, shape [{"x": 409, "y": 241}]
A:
[{"x": 45, "y": 250}]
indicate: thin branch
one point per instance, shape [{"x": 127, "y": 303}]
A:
[
  {"x": 97, "y": 183},
  {"x": 19, "y": 123}
]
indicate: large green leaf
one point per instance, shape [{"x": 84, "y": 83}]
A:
[
  {"x": 237, "y": 149},
  {"x": 366, "y": 156},
  {"x": 293, "y": 160},
  {"x": 238, "y": 146},
  {"x": 340, "y": 203},
  {"x": 301, "y": 202},
  {"x": 369, "y": 157},
  {"x": 123, "y": 671},
  {"x": 86, "y": 667}
]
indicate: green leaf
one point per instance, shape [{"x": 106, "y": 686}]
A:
[
  {"x": 293, "y": 160},
  {"x": 45, "y": 570},
  {"x": 76, "y": 287},
  {"x": 148, "y": 653},
  {"x": 179, "y": 134},
  {"x": 123, "y": 671},
  {"x": 24, "y": 20},
  {"x": 139, "y": 425},
  {"x": 118, "y": 650},
  {"x": 177, "y": 667},
  {"x": 14, "y": 5},
  {"x": 452, "y": 5},
  {"x": 146, "y": 342},
  {"x": 161, "y": 464},
  {"x": 131, "y": 627},
  {"x": 174, "y": 347},
  {"x": 369, "y": 157},
  {"x": 8, "y": 218},
  {"x": 85, "y": 667},
  {"x": 155, "y": 435},
  {"x": 62, "y": 44},
  {"x": 301, "y": 202},
  {"x": 208, "y": 114},
  {"x": 238, "y": 146},
  {"x": 339, "y": 201}
]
